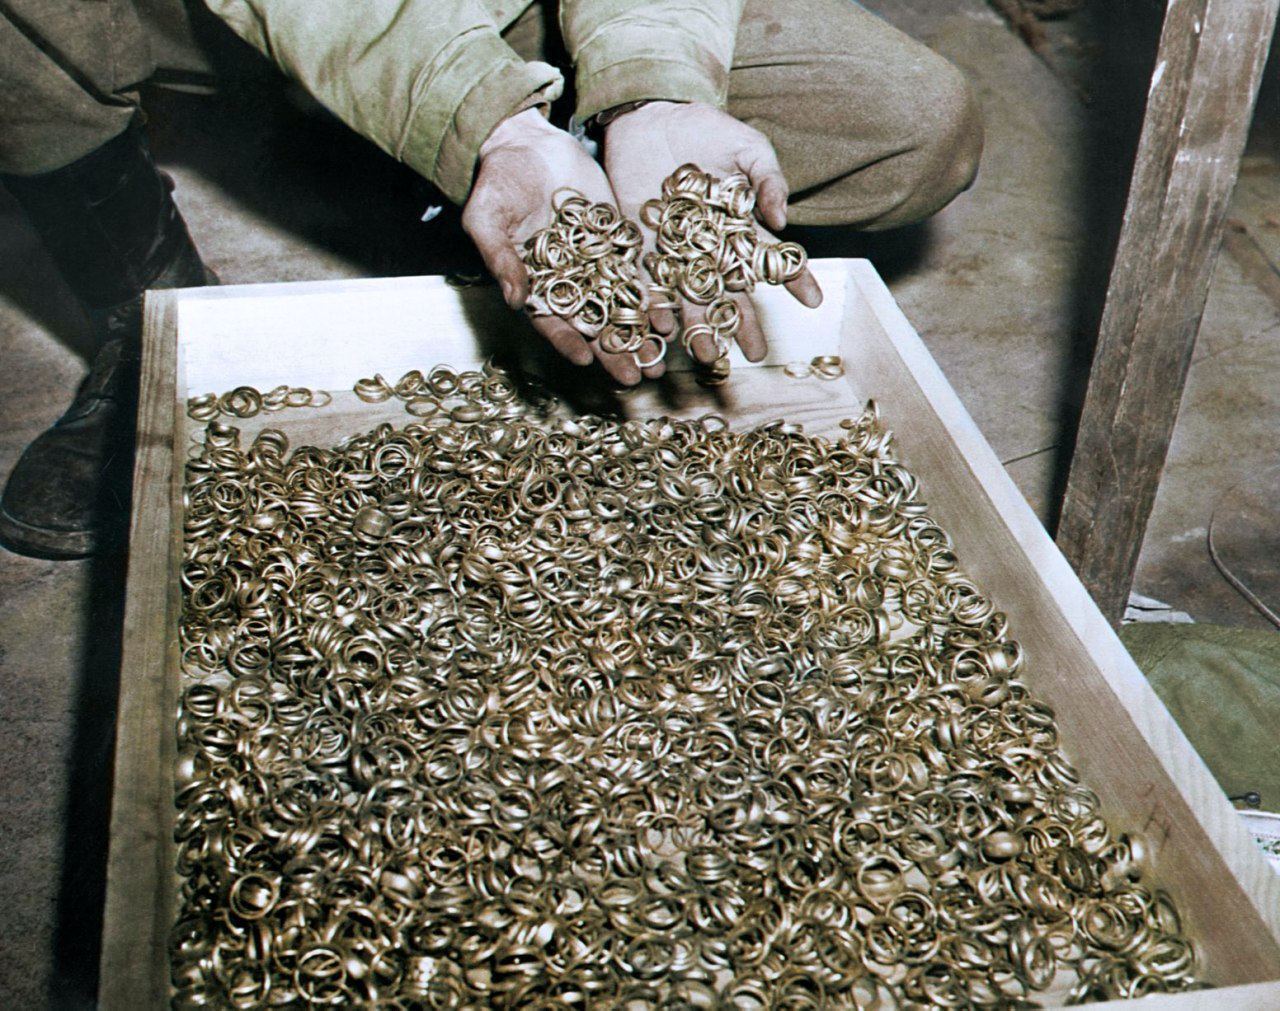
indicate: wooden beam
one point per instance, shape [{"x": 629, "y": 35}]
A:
[{"x": 1197, "y": 119}]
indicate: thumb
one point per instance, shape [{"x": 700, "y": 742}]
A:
[
  {"x": 500, "y": 257},
  {"x": 770, "y": 185}
]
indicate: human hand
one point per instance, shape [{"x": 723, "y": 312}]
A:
[
  {"x": 524, "y": 161},
  {"x": 645, "y": 145}
]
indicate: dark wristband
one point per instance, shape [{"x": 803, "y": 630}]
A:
[{"x": 604, "y": 118}]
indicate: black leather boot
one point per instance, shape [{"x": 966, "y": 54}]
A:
[{"x": 111, "y": 226}]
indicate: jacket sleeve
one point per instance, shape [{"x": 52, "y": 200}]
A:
[
  {"x": 425, "y": 80},
  {"x": 623, "y": 51}
]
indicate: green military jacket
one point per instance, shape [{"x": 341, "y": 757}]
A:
[{"x": 427, "y": 80}]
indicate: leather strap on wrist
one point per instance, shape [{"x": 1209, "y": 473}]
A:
[{"x": 602, "y": 119}]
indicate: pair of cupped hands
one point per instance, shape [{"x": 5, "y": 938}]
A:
[{"x": 526, "y": 159}]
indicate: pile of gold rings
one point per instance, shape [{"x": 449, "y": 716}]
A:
[
  {"x": 709, "y": 248},
  {"x": 248, "y": 402},
  {"x": 538, "y": 711},
  {"x": 583, "y": 267}
]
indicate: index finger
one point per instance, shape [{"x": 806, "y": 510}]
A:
[
  {"x": 805, "y": 289},
  {"x": 804, "y": 286}
]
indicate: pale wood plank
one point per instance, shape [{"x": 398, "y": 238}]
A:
[
  {"x": 140, "y": 885},
  {"x": 1202, "y": 92},
  {"x": 324, "y": 333}
]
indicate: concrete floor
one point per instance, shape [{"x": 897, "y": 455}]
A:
[{"x": 993, "y": 284}]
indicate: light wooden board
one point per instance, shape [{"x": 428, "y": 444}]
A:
[
  {"x": 321, "y": 333},
  {"x": 140, "y": 875},
  {"x": 1113, "y": 726}
]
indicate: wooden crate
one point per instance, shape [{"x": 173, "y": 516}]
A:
[{"x": 328, "y": 334}]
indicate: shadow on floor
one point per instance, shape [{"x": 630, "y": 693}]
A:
[
  {"x": 894, "y": 252},
  {"x": 30, "y": 281},
  {"x": 1120, "y": 57},
  {"x": 272, "y": 150},
  {"x": 82, "y": 888}
]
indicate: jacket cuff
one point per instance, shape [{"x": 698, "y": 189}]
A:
[
  {"x": 648, "y": 79},
  {"x": 443, "y": 145}
]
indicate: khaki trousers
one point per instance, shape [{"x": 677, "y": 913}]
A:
[
  {"x": 68, "y": 70},
  {"x": 872, "y": 128}
]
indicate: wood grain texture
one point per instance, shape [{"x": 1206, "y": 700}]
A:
[
  {"x": 1116, "y": 730},
  {"x": 140, "y": 877},
  {"x": 1202, "y": 93}
]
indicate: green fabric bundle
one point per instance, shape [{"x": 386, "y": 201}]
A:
[{"x": 1222, "y": 685}]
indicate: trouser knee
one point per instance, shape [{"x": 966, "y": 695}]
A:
[
  {"x": 943, "y": 161},
  {"x": 930, "y": 141}
]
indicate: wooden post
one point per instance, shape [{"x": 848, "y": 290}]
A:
[{"x": 1197, "y": 119}]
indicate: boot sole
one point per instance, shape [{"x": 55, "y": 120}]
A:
[{"x": 39, "y": 542}]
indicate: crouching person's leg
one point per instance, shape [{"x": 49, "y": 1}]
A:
[
  {"x": 74, "y": 155},
  {"x": 872, "y": 128}
]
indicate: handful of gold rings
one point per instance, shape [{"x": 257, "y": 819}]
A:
[
  {"x": 708, "y": 248},
  {"x": 510, "y": 708},
  {"x": 585, "y": 265}
]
